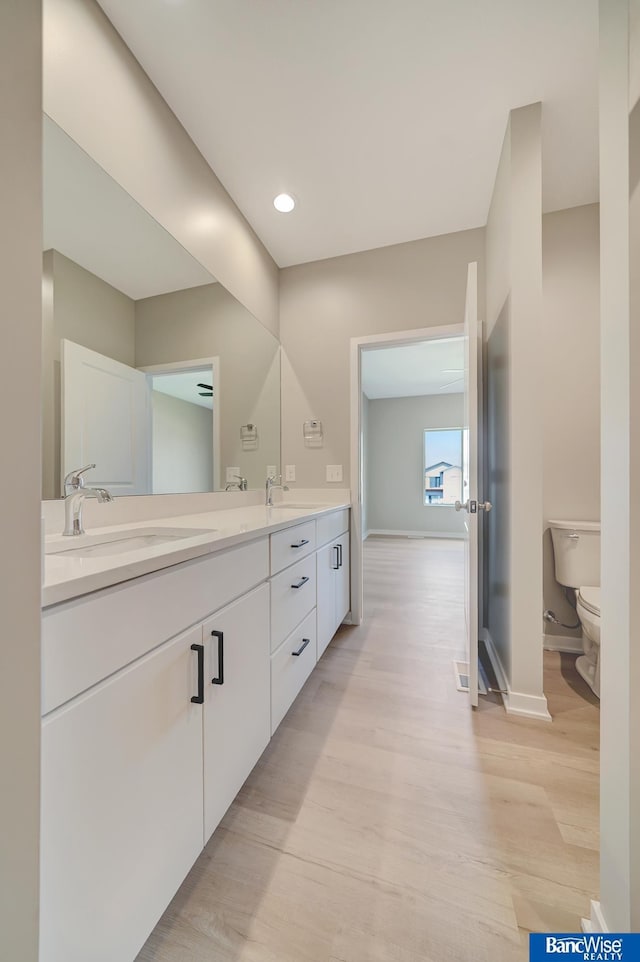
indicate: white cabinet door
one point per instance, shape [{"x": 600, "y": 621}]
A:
[
  {"x": 327, "y": 565},
  {"x": 105, "y": 420},
  {"x": 343, "y": 581},
  {"x": 237, "y": 709},
  {"x": 333, "y": 589},
  {"x": 121, "y": 806}
]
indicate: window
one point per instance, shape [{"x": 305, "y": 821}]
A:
[{"x": 443, "y": 465}]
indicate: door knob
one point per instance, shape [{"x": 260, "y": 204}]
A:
[{"x": 472, "y": 507}]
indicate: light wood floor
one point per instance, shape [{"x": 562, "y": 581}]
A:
[{"x": 386, "y": 822}]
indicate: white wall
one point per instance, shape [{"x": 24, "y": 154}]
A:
[
  {"x": 208, "y": 322},
  {"x": 98, "y": 93},
  {"x": 620, "y": 439},
  {"x": 570, "y": 386},
  {"x": 326, "y": 303},
  {"x": 21, "y": 324},
  {"x": 513, "y": 542},
  {"x": 395, "y": 468},
  {"x": 82, "y": 308},
  {"x": 182, "y": 445}
]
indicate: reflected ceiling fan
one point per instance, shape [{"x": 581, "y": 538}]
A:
[{"x": 208, "y": 390}]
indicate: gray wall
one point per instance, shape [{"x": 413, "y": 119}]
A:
[
  {"x": 97, "y": 92},
  {"x": 620, "y": 324},
  {"x": 82, "y": 308},
  {"x": 21, "y": 325},
  {"x": 208, "y": 322},
  {"x": 570, "y": 394},
  {"x": 182, "y": 445},
  {"x": 326, "y": 303},
  {"x": 395, "y": 467},
  {"x": 515, "y": 466}
]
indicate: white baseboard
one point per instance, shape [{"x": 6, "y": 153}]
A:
[
  {"x": 566, "y": 643},
  {"x": 515, "y": 702},
  {"x": 597, "y": 922},
  {"x": 389, "y": 533}
]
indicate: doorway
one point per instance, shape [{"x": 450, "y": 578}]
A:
[
  {"x": 362, "y": 349},
  {"x": 185, "y": 425}
]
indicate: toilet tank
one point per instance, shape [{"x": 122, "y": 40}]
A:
[{"x": 576, "y": 549}]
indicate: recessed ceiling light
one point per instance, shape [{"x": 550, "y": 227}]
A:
[{"x": 284, "y": 203}]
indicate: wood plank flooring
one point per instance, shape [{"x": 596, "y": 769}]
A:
[{"x": 386, "y": 822}]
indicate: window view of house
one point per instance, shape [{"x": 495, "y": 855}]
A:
[{"x": 443, "y": 466}]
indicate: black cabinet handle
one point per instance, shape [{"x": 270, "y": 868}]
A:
[
  {"x": 336, "y": 548},
  {"x": 339, "y": 547},
  {"x": 301, "y": 543},
  {"x": 302, "y": 582},
  {"x": 305, "y": 642},
  {"x": 199, "y": 698},
  {"x": 220, "y": 679}
]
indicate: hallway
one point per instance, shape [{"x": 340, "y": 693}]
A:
[{"x": 386, "y": 822}]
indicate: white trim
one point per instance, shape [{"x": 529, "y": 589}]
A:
[
  {"x": 458, "y": 535},
  {"x": 515, "y": 702},
  {"x": 567, "y": 643},
  {"x": 358, "y": 344},
  {"x": 529, "y": 706},
  {"x": 597, "y": 922},
  {"x": 177, "y": 367}
]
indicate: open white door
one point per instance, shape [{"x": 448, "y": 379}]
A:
[
  {"x": 105, "y": 420},
  {"x": 471, "y": 505}
]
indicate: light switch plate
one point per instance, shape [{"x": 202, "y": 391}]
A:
[
  {"x": 232, "y": 474},
  {"x": 272, "y": 471},
  {"x": 290, "y": 472},
  {"x": 334, "y": 472}
]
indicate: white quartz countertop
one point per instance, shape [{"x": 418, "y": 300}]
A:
[{"x": 69, "y": 576}]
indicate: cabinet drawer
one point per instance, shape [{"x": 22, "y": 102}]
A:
[
  {"x": 89, "y": 638},
  {"x": 290, "y": 604},
  {"x": 332, "y": 525},
  {"x": 292, "y": 544},
  {"x": 289, "y": 671}
]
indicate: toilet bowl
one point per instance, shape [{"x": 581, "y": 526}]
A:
[
  {"x": 588, "y": 609},
  {"x": 576, "y": 550}
]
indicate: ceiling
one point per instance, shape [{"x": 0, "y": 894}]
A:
[
  {"x": 413, "y": 370},
  {"x": 89, "y": 218},
  {"x": 184, "y": 386},
  {"x": 384, "y": 120}
]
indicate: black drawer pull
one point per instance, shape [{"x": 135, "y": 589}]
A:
[
  {"x": 199, "y": 698},
  {"x": 336, "y": 548},
  {"x": 305, "y": 642},
  {"x": 339, "y": 547},
  {"x": 220, "y": 679},
  {"x": 302, "y": 582},
  {"x": 301, "y": 543}
]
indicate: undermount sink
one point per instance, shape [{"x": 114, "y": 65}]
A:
[
  {"x": 121, "y": 542},
  {"x": 299, "y": 506}
]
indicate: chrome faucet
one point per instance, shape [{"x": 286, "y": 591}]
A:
[
  {"x": 75, "y": 493},
  {"x": 272, "y": 482},
  {"x": 239, "y": 483}
]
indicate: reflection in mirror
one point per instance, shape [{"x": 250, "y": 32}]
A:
[{"x": 151, "y": 369}]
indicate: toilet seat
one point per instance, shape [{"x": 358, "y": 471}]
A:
[{"x": 589, "y": 598}]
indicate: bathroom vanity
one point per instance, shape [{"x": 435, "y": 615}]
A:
[{"x": 166, "y": 669}]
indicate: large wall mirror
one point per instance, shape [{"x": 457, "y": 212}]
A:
[{"x": 151, "y": 369}]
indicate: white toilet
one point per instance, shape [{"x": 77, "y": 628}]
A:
[{"x": 576, "y": 548}]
